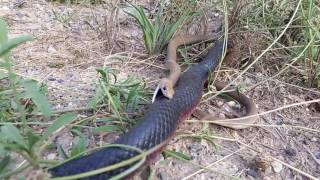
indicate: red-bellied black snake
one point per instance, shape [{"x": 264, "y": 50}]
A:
[{"x": 158, "y": 124}]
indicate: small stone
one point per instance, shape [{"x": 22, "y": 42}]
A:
[
  {"x": 51, "y": 79},
  {"x": 231, "y": 103},
  {"x": 314, "y": 139},
  {"x": 253, "y": 173},
  {"x": 317, "y": 155},
  {"x": 60, "y": 80},
  {"x": 277, "y": 167},
  {"x": 51, "y": 156},
  {"x": 51, "y": 50},
  {"x": 220, "y": 103}
]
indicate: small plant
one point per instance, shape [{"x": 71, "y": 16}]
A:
[
  {"x": 156, "y": 34},
  {"x": 16, "y": 136},
  {"x": 310, "y": 15},
  {"x": 122, "y": 97},
  {"x": 64, "y": 17}
]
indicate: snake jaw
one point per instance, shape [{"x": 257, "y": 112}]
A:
[{"x": 165, "y": 86}]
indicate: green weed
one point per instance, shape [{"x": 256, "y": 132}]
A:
[
  {"x": 64, "y": 17},
  {"x": 156, "y": 33},
  {"x": 122, "y": 97},
  {"x": 15, "y": 92}
]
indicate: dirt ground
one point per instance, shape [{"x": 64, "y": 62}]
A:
[{"x": 65, "y": 56}]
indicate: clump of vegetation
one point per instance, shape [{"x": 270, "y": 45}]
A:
[
  {"x": 259, "y": 23},
  {"x": 157, "y": 33},
  {"x": 16, "y": 135},
  {"x": 122, "y": 98}
]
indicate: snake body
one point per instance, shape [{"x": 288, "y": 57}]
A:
[
  {"x": 158, "y": 124},
  {"x": 166, "y": 85}
]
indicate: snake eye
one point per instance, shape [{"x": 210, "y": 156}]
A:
[{"x": 164, "y": 88}]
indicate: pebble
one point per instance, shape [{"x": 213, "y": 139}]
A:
[
  {"x": 231, "y": 103},
  {"x": 60, "y": 80},
  {"x": 51, "y": 50},
  {"x": 253, "y": 173},
  {"x": 51, "y": 79},
  {"x": 277, "y": 167},
  {"x": 220, "y": 103},
  {"x": 51, "y": 156}
]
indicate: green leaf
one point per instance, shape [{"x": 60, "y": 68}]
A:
[
  {"x": 62, "y": 152},
  {"x": 32, "y": 139},
  {"x": 11, "y": 43},
  {"x": 106, "y": 128},
  {"x": 3, "y": 151},
  {"x": 3, "y": 32},
  {"x": 3, "y": 74},
  {"x": 4, "y": 163},
  {"x": 78, "y": 147},
  {"x": 177, "y": 155},
  {"x": 12, "y": 134},
  {"x": 37, "y": 97},
  {"x": 58, "y": 123},
  {"x": 106, "y": 119}
]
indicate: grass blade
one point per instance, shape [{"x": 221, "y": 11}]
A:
[
  {"x": 7, "y": 46},
  {"x": 12, "y": 134},
  {"x": 58, "y": 123},
  {"x": 3, "y": 31}
]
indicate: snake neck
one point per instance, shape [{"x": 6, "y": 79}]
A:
[{"x": 211, "y": 61}]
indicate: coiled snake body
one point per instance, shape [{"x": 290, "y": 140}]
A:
[{"x": 158, "y": 124}]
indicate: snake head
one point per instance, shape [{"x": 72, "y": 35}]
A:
[{"x": 165, "y": 87}]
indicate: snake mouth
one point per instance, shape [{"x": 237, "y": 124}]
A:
[{"x": 157, "y": 94}]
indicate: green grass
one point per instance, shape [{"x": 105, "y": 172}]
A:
[
  {"x": 15, "y": 94},
  {"x": 269, "y": 19},
  {"x": 22, "y": 98},
  {"x": 156, "y": 32},
  {"x": 123, "y": 98}
]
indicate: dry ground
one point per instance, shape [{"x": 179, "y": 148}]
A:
[{"x": 65, "y": 56}]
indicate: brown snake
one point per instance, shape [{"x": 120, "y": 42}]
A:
[{"x": 166, "y": 85}]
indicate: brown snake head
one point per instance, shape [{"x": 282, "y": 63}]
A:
[{"x": 165, "y": 87}]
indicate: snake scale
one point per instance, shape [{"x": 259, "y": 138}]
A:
[{"x": 158, "y": 124}]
